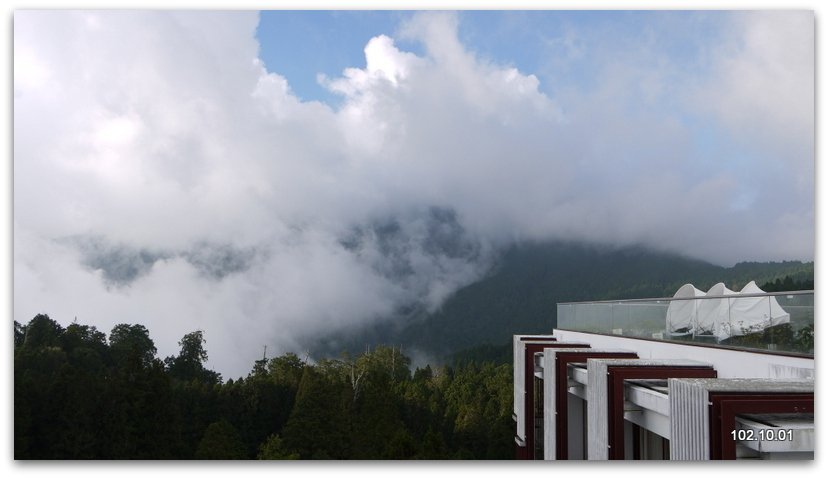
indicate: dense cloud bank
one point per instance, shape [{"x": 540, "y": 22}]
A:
[{"x": 164, "y": 176}]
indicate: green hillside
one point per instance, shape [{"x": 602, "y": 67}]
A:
[{"x": 521, "y": 293}]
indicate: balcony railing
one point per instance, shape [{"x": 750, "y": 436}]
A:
[{"x": 779, "y": 321}]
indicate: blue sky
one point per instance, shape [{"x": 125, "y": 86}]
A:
[
  {"x": 553, "y": 45},
  {"x": 301, "y": 44}
]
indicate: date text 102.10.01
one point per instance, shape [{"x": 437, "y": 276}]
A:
[{"x": 769, "y": 434}]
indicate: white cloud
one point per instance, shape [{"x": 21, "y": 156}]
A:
[
  {"x": 162, "y": 136},
  {"x": 763, "y": 83}
]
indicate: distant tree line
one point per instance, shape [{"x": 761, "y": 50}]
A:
[
  {"x": 788, "y": 284},
  {"x": 79, "y": 395}
]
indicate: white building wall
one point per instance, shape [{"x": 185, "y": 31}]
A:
[{"x": 518, "y": 348}]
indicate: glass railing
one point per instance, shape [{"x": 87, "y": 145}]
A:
[{"x": 780, "y": 321}]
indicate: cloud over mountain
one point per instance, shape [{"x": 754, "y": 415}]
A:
[{"x": 164, "y": 176}]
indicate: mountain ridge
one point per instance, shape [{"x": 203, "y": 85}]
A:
[{"x": 520, "y": 293}]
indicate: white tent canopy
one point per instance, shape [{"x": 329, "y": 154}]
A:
[
  {"x": 681, "y": 314},
  {"x": 753, "y": 314},
  {"x": 717, "y": 314},
  {"x": 714, "y": 313}
]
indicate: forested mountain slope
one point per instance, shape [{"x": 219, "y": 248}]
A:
[{"x": 521, "y": 293}]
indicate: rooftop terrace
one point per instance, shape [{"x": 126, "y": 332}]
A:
[{"x": 770, "y": 321}]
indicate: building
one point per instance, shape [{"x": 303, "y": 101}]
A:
[{"x": 612, "y": 382}]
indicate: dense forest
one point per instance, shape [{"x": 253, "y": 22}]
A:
[{"x": 79, "y": 395}]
